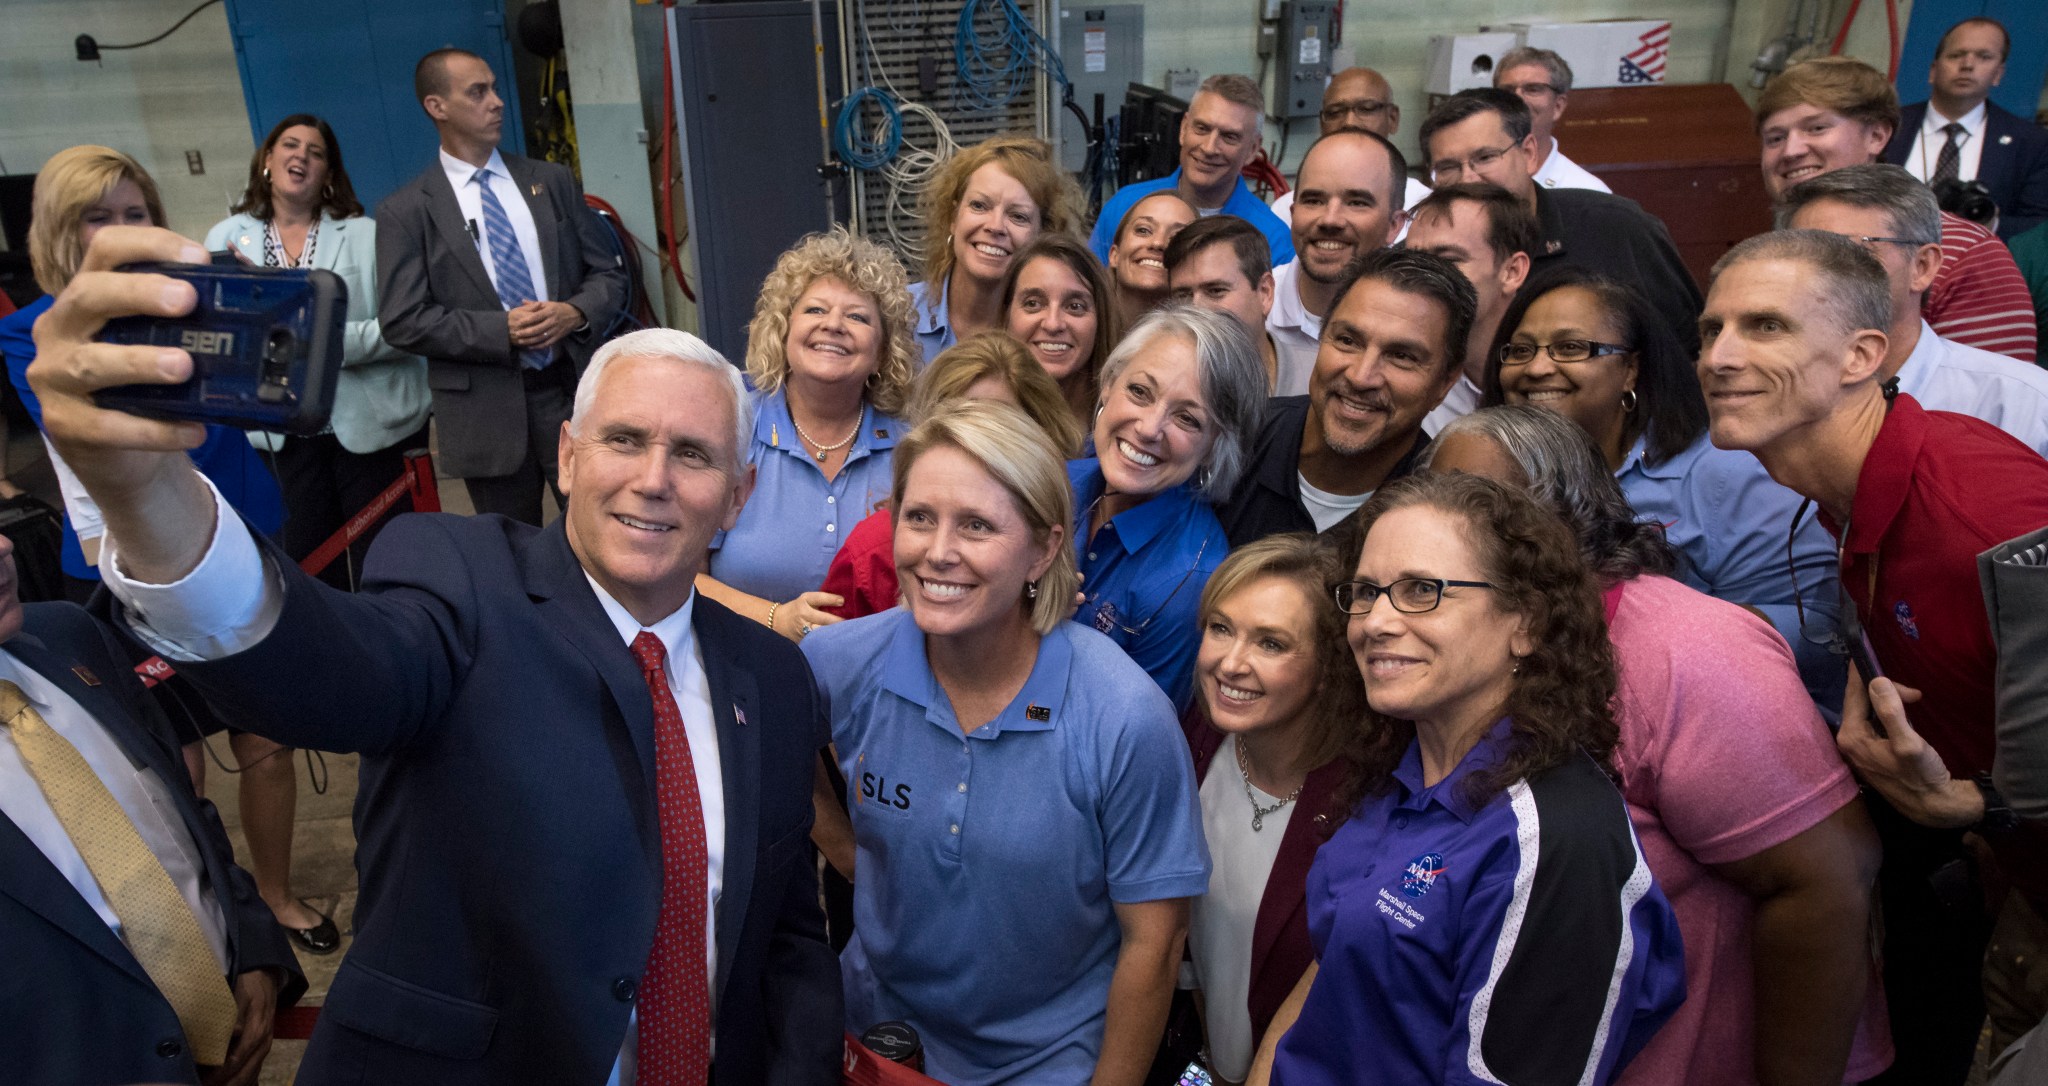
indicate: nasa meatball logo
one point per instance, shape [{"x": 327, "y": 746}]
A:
[{"x": 1421, "y": 874}]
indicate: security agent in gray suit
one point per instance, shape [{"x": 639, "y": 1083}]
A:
[{"x": 491, "y": 266}]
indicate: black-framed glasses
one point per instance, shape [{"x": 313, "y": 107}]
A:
[
  {"x": 1451, "y": 167},
  {"x": 1364, "y": 110},
  {"x": 1564, "y": 350},
  {"x": 1526, "y": 90},
  {"x": 1409, "y": 595}
]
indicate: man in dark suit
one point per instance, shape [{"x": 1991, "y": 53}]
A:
[
  {"x": 491, "y": 266},
  {"x": 90, "y": 953},
  {"x": 2008, "y": 153},
  {"x": 577, "y": 858}
]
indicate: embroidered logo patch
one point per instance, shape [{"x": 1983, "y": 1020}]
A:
[
  {"x": 1105, "y": 617},
  {"x": 1905, "y": 616},
  {"x": 1421, "y": 873}
]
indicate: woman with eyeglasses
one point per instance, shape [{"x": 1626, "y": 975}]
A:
[
  {"x": 1276, "y": 699},
  {"x": 1182, "y": 398},
  {"x": 1024, "y": 817},
  {"x": 1747, "y": 816},
  {"x": 1593, "y": 350},
  {"x": 1485, "y": 915}
]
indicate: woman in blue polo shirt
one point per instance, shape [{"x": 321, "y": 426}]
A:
[
  {"x": 830, "y": 355},
  {"x": 1486, "y": 915},
  {"x": 1594, "y": 351},
  {"x": 1024, "y": 817},
  {"x": 1182, "y": 398}
]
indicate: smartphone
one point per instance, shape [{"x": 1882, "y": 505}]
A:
[
  {"x": 1195, "y": 1075},
  {"x": 266, "y": 347}
]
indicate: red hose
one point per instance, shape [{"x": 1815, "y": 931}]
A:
[
  {"x": 668, "y": 173},
  {"x": 1891, "y": 17}
]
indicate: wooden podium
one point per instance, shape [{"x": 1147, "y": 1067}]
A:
[{"x": 1689, "y": 154}]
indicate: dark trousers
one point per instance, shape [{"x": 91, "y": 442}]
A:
[
  {"x": 1935, "y": 931},
  {"x": 324, "y": 485},
  {"x": 517, "y": 495}
]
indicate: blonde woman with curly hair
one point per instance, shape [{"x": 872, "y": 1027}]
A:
[
  {"x": 830, "y": 357},
  {"x": 988, "y": 202}
]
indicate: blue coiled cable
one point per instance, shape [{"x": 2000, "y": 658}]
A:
[
  {"x": 994, "y": 71},
  {"x": 854, "y": 143}
]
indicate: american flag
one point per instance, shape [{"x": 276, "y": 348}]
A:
[{"x": 1646, "y": 64}]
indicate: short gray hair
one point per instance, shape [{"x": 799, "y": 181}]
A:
[
  {"x": 1561, "y": 469},
  {"x": 679, "y": 347},
  {"x": 1909, "y": 206},
  {"x": 1858, "y": 293},
  {"x": 1560, "y": 72},
  {"x": 1233, "y": 382}
]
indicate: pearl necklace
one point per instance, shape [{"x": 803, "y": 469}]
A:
[
  {"x": 823, "y": 449},
  {"x": 1259, "y": 813}
]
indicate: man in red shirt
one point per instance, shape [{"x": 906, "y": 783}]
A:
[
  {"x": 1830, "y": 112},
  {"x": 1792, "y": 345}
]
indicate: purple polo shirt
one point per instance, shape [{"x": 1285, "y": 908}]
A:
[{"x": 1522, "y": 940}]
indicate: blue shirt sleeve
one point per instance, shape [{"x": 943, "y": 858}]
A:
[
  {"x": 19, "y": 346},
  {"x": 1151, "y": 819}
]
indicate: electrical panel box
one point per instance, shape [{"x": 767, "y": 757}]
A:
[
  {"x": 1103, "y": 49},
  {"x": 1301, "y": 65}
]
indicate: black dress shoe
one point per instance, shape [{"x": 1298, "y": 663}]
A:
[{"x": 321, "y": 938}]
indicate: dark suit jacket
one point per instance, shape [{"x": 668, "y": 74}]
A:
[
  {"x": 2013, "y": 164},
  {"x": 508, "y": 844},
  {"x": 79, "y": 1009},
  {"x": 435, "y": 299},
  {"x": 1281, "y": 951}
]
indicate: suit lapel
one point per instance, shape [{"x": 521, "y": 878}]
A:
[
  {"x": 570, "y": 609},
  {"x": 734, "y": 702},
  {"x": 31, "y": 878},
  {"x": 541, "y": 203},
  {"x": 446, "y": 214}
]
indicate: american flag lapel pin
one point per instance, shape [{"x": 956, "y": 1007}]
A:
[
  {"x": 85, "y": 675},
  {"x": 534, "y": 188},
  {"x": 739, "y": 714},
  {"x": 2004, "y": 141}
]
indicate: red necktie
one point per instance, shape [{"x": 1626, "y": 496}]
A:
[{"x": 675, "y": 995}]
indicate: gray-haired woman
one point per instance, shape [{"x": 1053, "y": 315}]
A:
[{"x": 1182, "y": 397}]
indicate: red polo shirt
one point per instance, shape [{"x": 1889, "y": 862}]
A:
[{"x": 1936, "y": 490}]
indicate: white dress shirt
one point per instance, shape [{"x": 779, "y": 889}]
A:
[
  {"x": 1461, "y": 400},
  {"x": 1296, "y": 332},
  {"x": 1928, "y": 144},
  {"x": 461, "y": 177},
  {"x": 1948, "y": 376},
  {"x": 231, "y": 600},
  {"x": 1559, "y": 172},
  {"x": 143, "y": 796}
]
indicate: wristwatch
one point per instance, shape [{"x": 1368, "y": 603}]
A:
[{"x": 1998, "y": 816}]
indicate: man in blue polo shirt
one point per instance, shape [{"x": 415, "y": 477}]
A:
[{"x": 1219, "y": 134}]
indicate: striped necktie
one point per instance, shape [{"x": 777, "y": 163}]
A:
[
  {"x": 156, "y": 921},
  {"x": 1948, "y": 165},
  {"x": 513, "y": 281}
]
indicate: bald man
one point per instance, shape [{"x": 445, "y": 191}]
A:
[{"x": 1358, "y": 99}]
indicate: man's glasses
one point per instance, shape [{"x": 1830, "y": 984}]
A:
[
  {"x": 1871, "y": 241},
  {"x": 1409, "y": 595},
  {"x": 1366, "y": 110},
  {"x": 1564, "y": 350},
  {"x": 1450, "y": 169},
  {"x": 1529, "y": 90}
]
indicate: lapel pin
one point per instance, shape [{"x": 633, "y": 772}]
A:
[
  {"x": 881, "y": 434},
  {"x": 739, "y": 714},
  {"x": 2004, "y": 140},
  {"x": 1552, "y": 246},
  {"x": 1037, "y": 712},
  {"x": 85, "y": 675},
  {"x": 774, "y": 436},
  {"x": 534, "y": 189}
]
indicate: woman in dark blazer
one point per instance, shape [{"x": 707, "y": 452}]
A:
[{"x": 1275, "y": 692}]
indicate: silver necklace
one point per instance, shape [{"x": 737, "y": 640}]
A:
[
  {"x": 1259, "y": 813},
  {"x": 823, "y": 450}
]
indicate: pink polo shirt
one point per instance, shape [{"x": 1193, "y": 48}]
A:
[{"x": 1722, "y": 756}]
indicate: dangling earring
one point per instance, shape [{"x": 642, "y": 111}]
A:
[
  {"x": 1628, "y": 401},
  {"x": 1031, "y": 590},
  {"x": 1202, "y": 478}
]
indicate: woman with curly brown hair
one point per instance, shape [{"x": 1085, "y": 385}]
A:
[
  {"x": 1486, "y": 914},
  {"x": 989, "y": 201},
  {"x": 830, "y": 356}
]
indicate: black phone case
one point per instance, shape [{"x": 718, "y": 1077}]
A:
[{"x": 266, "y": 347}]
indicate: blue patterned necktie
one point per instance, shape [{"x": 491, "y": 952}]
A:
[{"x": 514, "y": 283}]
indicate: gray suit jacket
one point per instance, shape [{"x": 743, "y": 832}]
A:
[{"x": 436, "y": 299}]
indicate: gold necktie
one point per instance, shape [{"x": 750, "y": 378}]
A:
[{"x": 156, "y": 921}]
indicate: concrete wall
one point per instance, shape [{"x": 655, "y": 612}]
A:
[{"x": 156, "y": 103}]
